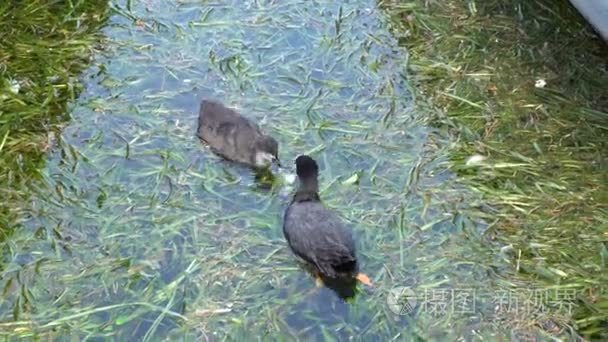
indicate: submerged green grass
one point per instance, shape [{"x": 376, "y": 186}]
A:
[
  {"x": 133, "y": 230},
  {"x": 523, "y": 84},
  {"x": 45, "y": 45}
]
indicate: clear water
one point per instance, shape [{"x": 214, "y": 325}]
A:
[{"x": 138, "y": 231}]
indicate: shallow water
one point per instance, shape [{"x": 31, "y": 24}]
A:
[{"x": 138, "y": 231}]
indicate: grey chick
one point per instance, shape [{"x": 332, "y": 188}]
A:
[
  {"x": 315, "y": 233},
  {"x": 234, "y": 137}
]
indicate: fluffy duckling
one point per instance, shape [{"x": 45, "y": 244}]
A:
[{"x": 234, "y": 137}]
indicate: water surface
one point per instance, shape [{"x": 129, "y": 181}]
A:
[{"x": 138, "y": 231}]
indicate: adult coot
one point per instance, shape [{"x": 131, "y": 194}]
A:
[
  {"x": 315, "y": 233},
  {"x": 234, "y": 137}
]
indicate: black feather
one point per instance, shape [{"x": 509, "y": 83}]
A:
[{"x": 315, "y": 233}]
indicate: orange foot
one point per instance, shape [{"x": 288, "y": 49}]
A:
[{"x": 364, "y": 279}]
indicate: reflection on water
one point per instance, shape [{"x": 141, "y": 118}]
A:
[{"x": 165, "y": 239}]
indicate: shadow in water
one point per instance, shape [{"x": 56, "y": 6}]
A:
[{"x": 345, "y": 289}]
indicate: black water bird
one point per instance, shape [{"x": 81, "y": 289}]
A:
[{"x": 315, "y": 234}]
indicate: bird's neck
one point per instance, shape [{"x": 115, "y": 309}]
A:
[{"x": 308, "y": 190}]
